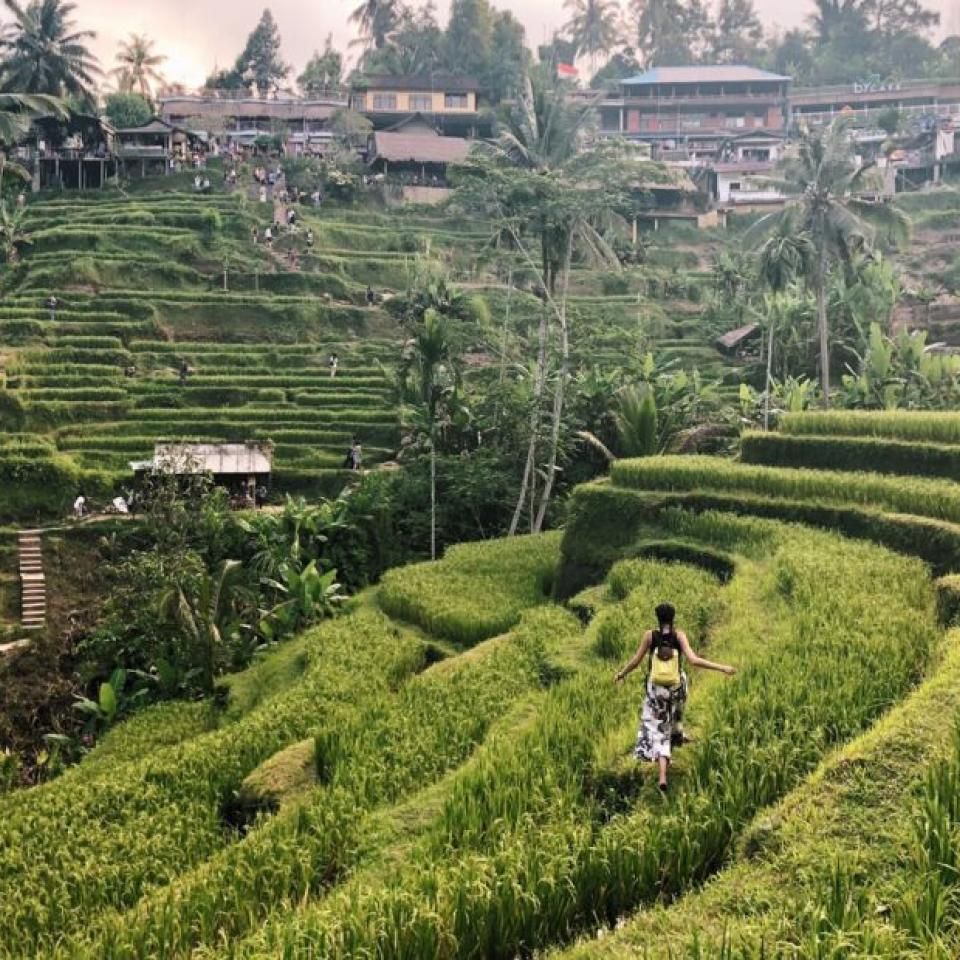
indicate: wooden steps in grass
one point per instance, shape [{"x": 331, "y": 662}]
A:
[{"x": 33, "y": 587}]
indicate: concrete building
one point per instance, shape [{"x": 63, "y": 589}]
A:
[
  {"x": 866, "y": 100},
  {"x": 693, "y": 110},
  {"x": 448, "y": 102},
  {"x": 302, "y": 125}
]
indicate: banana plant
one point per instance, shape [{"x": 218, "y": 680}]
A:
[
  {"x": 309, "y": 595},
  {"x": 207, "y": 616},
  {"x": 113, "y": 701}
]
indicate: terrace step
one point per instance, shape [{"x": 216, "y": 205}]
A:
[{"x": 33, "y": 586}]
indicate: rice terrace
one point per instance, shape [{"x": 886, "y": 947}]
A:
[{"x": 469, "y": 498}]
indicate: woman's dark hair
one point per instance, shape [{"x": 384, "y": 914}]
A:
[{"x": 665, "y": 614}]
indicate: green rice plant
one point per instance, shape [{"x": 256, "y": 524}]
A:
[
  {"x": 108, "y": 833},
  {"x": 384, "y": 747},
  {"x": 930, "y": 427},
  {"x": 909, "y": 458},
  {"x": 508, "y": 872},
  {"x": 477, "y": 591},
  {"x": 938, "y": 499},
  {"x": 640, "y": 585}
]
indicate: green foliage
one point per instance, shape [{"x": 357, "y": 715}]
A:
[
  {"x": 931, "y": 498},
  {"x": 908, "y": 458},
  {"x": 476, "y": 591},
  {"x": 898, "y": 425},
  {"x": 126, "y": 110}
]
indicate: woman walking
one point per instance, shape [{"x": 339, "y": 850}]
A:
[{"x": 660, "y": 720}]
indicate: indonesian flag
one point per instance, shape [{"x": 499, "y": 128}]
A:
[{"x": 567, "y": 70}]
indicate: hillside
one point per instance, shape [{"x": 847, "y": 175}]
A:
[{"x": 444, "y": 771}]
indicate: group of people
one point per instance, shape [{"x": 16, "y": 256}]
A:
[
  {"x": 201, "y": 184},
  {"x": 119, "y": 505}
]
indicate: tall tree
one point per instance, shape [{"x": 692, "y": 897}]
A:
[
  {"x": 137, "y": 65},
  {"x": 594, "y": 26},
  {"x": 469, "y": 36},
  {"x": 738, "y": 32},
  {"x": 509, "y": 59},
  {"x": 661, "y": 30},
  {"x": 45, "y": 53},
  {"x": 415, "y": 45},
  {"x": 785, "y": 256},
  {"x": 537, "y": 185},
  {"x": 377, "y": 19},
  {"x": 825, "y": 179},
  {"x": 323, "y": 72},
  {"x": 259, "y": 64}
]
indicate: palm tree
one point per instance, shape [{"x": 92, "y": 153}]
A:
[
  {"x": 593, "y": 27},
  {"x": 541, "y": 134},
  {"x": 17, "y": 113},
  {"x": 826, "y": 180},
  {"x": 435, "y": 378},
  {"x": 377, "y": 19},
  {"x": 45, "y": 53},
  {"x": 783, "y": 258},
  {"x": 137, "y": 65}
]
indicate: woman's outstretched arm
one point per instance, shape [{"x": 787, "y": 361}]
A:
[
  {"x": 697, "y": 661},
  {"x": 636, "y": 659}
]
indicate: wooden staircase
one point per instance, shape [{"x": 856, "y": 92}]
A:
[{"x": 33, "y": 586}]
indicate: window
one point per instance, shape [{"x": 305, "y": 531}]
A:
[
  {"x": 420, "y": 101},
  {"x": 456, "y": 101},
  {"x": 735, "y": 186},
  {"x": 384, "y": 101}
]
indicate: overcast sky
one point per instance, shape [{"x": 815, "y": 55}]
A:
[{"x": 195, "y": 34}]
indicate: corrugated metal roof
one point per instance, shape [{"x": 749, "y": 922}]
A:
[
  {"x": 419, "y": 148},
  {"x": 248, "y": 108},
  {"x": 719, "y": 73},
  {"x": 156, "y": 125},
  {"x": 216, "y": 458}
]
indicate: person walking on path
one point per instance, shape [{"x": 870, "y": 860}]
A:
[
  {"x": 79, "y": 506},
  {"x": 666, "y": 691},
  {"x": 333, "y": 362},
  {"x": 354, "y": 458}
]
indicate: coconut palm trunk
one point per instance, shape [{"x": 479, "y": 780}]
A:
[
  {"x": 821, "y": 297},
  {"x": 559, "y": 393}
]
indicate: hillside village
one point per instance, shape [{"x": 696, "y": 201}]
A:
[{"x": 461, "y": 499}]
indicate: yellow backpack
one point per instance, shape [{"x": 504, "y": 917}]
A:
[{"x": 664, "y": 673}]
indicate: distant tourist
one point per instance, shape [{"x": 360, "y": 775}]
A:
[
  {"x": 52, "y": 303},
  {"x": 666, "y": 691},
  {"x": 119, "y": 505},
  {"x": 371, "y": 296},
  {"x": 79, "y": 506},
  {"x": 198, "y": 182},
  {"x": 354, "y": 460},
  {"x": 333, "y": 362},
  {"x": 309, "y": 237},
  {"x": 263, "y": 194},
  {"x": 184, "y": 371},
  {"x": 255, "y": 235},
  {"x": 268, "y": 236}
]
